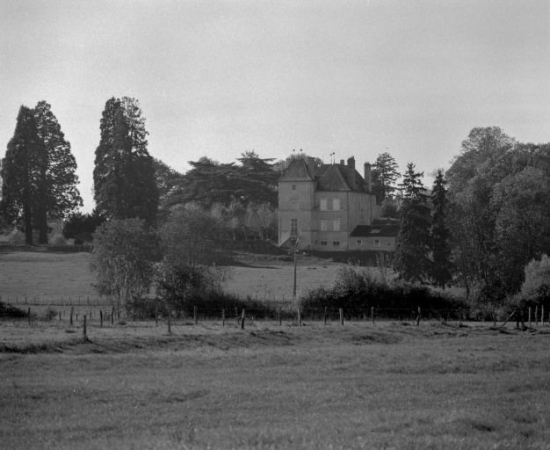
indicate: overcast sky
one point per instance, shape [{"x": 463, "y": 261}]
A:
[{"x": 219, "y": 78}]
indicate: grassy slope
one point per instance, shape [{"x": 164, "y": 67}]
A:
[{"x": 349, "y": 387}]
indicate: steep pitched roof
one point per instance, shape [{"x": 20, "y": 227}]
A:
[
  {"x": 297, "y": 171},
  {"x": 332, "y": 180}
]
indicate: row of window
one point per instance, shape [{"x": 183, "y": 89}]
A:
[{"x": 326, "y": 204}]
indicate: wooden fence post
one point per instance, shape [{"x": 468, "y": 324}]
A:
[
  {"x": 84, "y": 328},
  {"x": 113, "y": 316},
  {"x": 169, "y": 325},
  {"x": 223, "y": 317},
  {"x": 419, "y": 316},
  {"x": 325, "y": 315},
  {"x": 279, "y": 315},
  {"x": 341, "y": 316},
  {"x": 101, "y": 318},
  {"x": 537, "y": 315},
  {"x": 242, "y": 319},
  {"x": 542, "y": 316},
  {"x": 529, "y": 317},
  {"x": 372, "y": 314},
  {"x": 72, "y": 312}
]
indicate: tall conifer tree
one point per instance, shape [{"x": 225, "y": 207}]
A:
[
  {"x": 439, "y": 233},
  {"x": 412, "y": 253},
  {"x": 124, "y": 175}
]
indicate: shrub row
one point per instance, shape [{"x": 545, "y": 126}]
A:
[{"x": 357, "y": 291}]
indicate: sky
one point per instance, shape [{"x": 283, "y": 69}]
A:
[{"x": 218, "y": 78}]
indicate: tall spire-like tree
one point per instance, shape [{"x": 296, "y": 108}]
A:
[
  {"x": 384, "y": 175},
  {"x": 439, "y": 233},
  {"x": 124, "y": 175},
  {"x": 412, "y": 252}
]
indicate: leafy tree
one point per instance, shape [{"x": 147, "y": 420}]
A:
[
  {"x": 122, "y": 260},
  {"x": 189, "y": 269},
  {"x": 498, "y": 215},
  {"x": 412, "y": 251},
  {"x": 384, "y": 176},
  {"x": 536, "y": 286},
  {"x": 282, "y": 164},
  {"x": 81, "y": 227},
  {"x": 210, "y": 182},
  {"x": 439, "y": 234},
  {"x": 124, "y": 176}
]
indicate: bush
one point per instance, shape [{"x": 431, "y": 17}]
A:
[
  {"x": 11, "y": 312},
  {"x": 357, "y": 291}
]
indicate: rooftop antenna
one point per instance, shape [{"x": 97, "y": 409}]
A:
[{"x": 332, "y": 158}]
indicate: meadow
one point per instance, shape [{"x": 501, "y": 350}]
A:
[
  {"x": 43, "y": 278},
  {"x": 389, "y": 385},
  {"x": 358, "y": 386}
]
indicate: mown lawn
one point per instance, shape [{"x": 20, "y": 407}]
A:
[{"x": 268, "y": 387}]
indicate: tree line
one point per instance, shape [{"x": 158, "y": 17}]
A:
[{"x": 484, "y": 225}]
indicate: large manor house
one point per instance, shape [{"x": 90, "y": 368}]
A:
[{"x": 331, "y": 207}]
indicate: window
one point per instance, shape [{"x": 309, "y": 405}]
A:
[
  {"x": 323, "y": 206},
  {"x": 359, "y": 242},
  {"x": 293, "y": 187},
  {"x": 336, "y": 204},
  {"x": 324, "y": 225},
  {"x": 376, "y": 243},
  {"x": 336, "y": 243},
  {"x": 294, "y": 227},
  {"x": 294, "y": 202},
  {"x": 324, "y": 242},
  {"x": 336, "y": 224}
]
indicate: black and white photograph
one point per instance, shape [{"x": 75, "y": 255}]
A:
[{"x": 260, "y": 225}]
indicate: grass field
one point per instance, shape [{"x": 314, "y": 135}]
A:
[
  {"x": 41, "y": 277},
  {"x": 317, "y": 387}
]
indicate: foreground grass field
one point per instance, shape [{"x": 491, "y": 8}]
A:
[{"x": 356, "y": 386}]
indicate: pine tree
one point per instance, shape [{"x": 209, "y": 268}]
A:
[
  {"x": 439, "y": 233},
  {"x": 412, "y": 253},
  {"x": 384, "y": 176},
  {"x": 124, "y": 175}
]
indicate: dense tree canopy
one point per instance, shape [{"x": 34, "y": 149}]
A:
[
  {"x": 500, "y": 210},
  {"x": 253, "y": 181},
  {"x": 124, "y": 175},
  {"x": 38, "y": 173}
]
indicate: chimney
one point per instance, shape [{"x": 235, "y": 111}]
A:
[
  {"x": 368, "y": 177},
  {"x": 342, "y": 162},
  {"x": 351, "y": 162},
  {"x": 310, "y": 162}
]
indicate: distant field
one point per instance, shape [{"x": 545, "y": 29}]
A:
[
  {"x": 356, "y": 386},
  {"x": 46, "y": 277}
]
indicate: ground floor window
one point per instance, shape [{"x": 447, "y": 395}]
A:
[
  {"x": 336, "y": 243},
  {"x": 359, "y": 242},
  {"x": 324, "y": 242}
]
